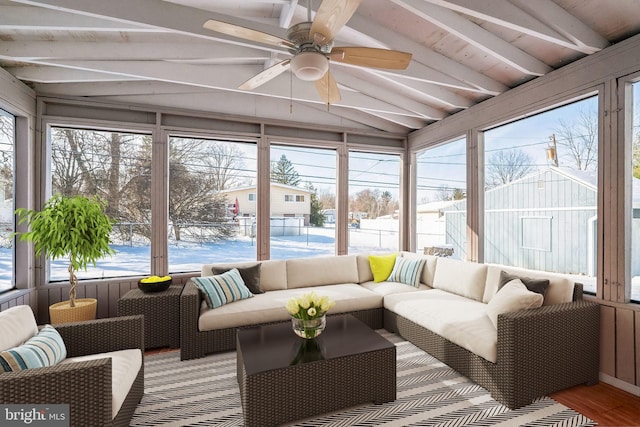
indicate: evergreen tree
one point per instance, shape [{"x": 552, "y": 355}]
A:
[
  {"x": 283, "y": 172},
  {"x": 315, "y": 216}
]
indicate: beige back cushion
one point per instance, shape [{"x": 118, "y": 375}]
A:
[
  {"x": 273, "y": 273},
  {"x": 429, "y": 269},
  {"x": 560, "y": 287},
  {"x": 460, "y": 277},
  {"x": 324, "y": 270},
  {"x": 17, "y": 324},
  {"x": 364, "y": 269}
]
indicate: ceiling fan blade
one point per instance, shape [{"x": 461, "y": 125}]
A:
[
  {"x": 332, "y": 15},
  {"x": 328, "y": 89},
  {"x": 266, "y": 75},
  {"x": 246, "y": 33},
  {"x": 371, "y": 57}
]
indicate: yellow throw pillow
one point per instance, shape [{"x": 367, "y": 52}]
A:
[{"x": 382, "y": 266}]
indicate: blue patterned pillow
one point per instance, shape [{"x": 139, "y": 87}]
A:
[
  {"x": 44, "y": 349},
  {"x": 407, "y": 271},
  {"x": 222, "y": 288}
]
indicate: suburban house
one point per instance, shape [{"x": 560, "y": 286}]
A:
[
  {"x": 155, "y": 106},
  {"x": 286, "y": 201}
]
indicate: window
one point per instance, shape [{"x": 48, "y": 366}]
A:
[
  {"x": 302, "y": 179},
  {"x": 208, "y": 179},
  {"x": 294, "y": 198},
  {"x": 635, "y": 194},
  {"x": 7, "y": 168},
  {"x": 116, "y": 166},
  {"x": 374, "y": 188},
  {"x": 252, "y": 197},
  {"x": 541, "y": 192},
  {"x": 441, "y": 205}
]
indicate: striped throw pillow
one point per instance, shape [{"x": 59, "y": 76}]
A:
[
  {"x": 222, "y": 288},
  {"x": 407, "y": 271},
  {"x": 44, "y": 349}
]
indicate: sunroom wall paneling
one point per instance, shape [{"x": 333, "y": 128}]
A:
[
  {"x": 20, "y": 100},
  {"x": 604, "y": 73}
]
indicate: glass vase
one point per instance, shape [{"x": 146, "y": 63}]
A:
[{"x": 308, "y": 329}]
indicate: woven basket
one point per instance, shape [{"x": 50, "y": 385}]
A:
[{"x": 61, "y": 312}]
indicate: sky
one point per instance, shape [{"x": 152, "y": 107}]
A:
[{"x": 446, "y": 164}]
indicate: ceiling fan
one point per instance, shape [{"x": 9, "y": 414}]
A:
[{"x": 311, "y": 44}]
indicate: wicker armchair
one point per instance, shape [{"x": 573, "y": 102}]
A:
[{"x": 85, "y": 386}]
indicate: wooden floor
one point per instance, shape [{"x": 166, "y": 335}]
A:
[
  {"x": 606, "y": 405},
  {"x": 603, "y": 403}
]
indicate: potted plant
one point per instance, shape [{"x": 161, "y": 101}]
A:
[{"x": 74, "y": 227}]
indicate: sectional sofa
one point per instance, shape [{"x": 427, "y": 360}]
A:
[{"x": 455, "y": 312}]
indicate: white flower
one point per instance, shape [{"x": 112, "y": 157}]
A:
[
  {"x": 308, "y": 306},
  {"x": 292, "y": 306},
  {"x": 304, "y": 301}
]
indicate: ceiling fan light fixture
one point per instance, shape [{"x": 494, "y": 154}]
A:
[{"x": 309, "y": 66}]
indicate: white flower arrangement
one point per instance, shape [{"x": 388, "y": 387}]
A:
[{"x": 309, "y": 306}]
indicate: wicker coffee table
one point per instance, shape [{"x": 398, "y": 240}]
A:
[{"x": 283, "y": 378}]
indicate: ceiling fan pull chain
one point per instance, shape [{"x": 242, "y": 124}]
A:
[{"x": 290, "y": 93}]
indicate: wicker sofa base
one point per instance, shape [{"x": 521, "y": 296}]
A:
[
  {"x": 195, "y": 344},
  {"x": 535, "y": 356}
]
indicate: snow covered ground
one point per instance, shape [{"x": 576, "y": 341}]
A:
[{"x": 189, "y": 256}]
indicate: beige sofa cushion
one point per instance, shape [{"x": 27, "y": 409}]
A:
[
  {"x": 460, "y": 277},
  {"x": 273, "y": 273},
  {"x": 270, "y": 306},
  {"x": 125, "y": 365},
  {"x": 429, "y": 269},
  {"x": 320, "y": 271},
  {"x": 387, "y": 288},
  {"x": 461, "y": 320},
  {"x": 560, "y": 288},
  {"x": 17, "y": 324},
  {"x": 364, "y": 269}
]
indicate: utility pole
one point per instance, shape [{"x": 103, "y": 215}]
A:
[{"x": 552, "y": 150}]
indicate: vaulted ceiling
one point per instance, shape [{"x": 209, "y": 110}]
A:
[{"x": 157, "y": 53}]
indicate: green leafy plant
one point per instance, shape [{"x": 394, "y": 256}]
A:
[{"x": 74, "y": 227}]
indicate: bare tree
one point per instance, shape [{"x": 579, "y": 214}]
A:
[
  {"x": 577, "y": 140},
  {"x": 508, "y": 165},
  {"x": 374, "y": 202},
  {"x": 7, "y": 130},
  {"x": 448, "y": 193},
  {"x": 327, "y": 199}
]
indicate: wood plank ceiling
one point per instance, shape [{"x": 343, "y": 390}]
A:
[{"x": 158, "y": 53}]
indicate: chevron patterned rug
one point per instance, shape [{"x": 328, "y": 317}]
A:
[{"x": 204, "y": 392}]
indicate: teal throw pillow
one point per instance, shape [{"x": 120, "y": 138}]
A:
[
  {"x": 222, "y": 289},
  {"x": 407, "y": 271},
  {"x": 250, "y": 275},
  {"x": 44, "y": 349}
]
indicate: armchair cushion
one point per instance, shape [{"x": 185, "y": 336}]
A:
[
  {"x": 125, "y": 365},
  {"x": 46, "y": 348},
  {"x": 17, "y": 325}
]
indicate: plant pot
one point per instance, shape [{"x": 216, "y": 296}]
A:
[{"x": 61, "y": 312}]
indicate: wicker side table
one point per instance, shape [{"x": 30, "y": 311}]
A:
[{"x": 161, "y": 312}]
